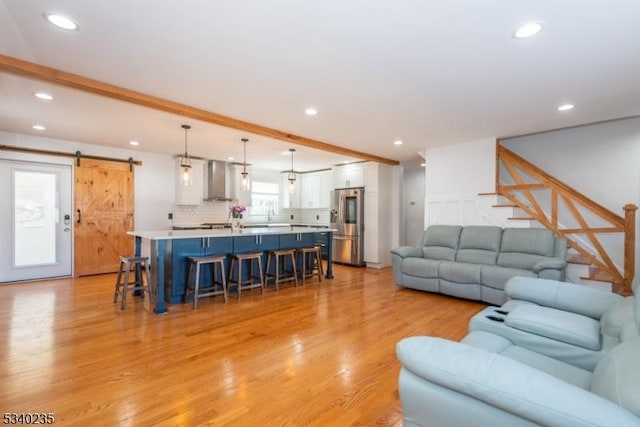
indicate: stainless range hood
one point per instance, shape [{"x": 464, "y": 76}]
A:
[{"x": 218, "y": 184}]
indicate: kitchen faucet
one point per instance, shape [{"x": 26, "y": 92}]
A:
[{"x": 269, "y": 213}]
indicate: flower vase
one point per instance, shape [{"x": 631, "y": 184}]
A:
[{"x": 235, "y": 225}]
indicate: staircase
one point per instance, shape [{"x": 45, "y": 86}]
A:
[
  {"x": 579, "y": 269},
  {"x": 601, "y": 243}
]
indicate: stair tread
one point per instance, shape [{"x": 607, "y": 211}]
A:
[
  {"x": 521, "y": 218},
  {"x": 504, "y": 206},
  {"x": 578, "y": 259},
  {"x": 487, "y": 194}
]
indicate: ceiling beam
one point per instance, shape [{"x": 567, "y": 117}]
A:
[{"x": 40, "y": 72}]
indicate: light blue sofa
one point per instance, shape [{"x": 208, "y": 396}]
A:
[
  {"x": 475, "y": 262},
  {"x": 494, "y": 378}
]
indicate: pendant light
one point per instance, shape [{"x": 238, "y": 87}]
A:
[
  {"x": 292, "y": 174},
  {"x": 186, "y": 177},
  {"x": 244, "y": 182}
]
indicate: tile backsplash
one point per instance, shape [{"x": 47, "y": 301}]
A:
[{"x": 218, "y": 212}]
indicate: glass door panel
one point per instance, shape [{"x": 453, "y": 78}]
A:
[
  {"x": 35, "y": 218},
  {"x": 36, "y": 239}
]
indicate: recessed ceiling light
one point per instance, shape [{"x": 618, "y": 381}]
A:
[
  {"x": 61, "y": 21},
  {"x": 38, "y": 127},
  {"x": 528, "y": 30},
  {"x": 566, "y": 107},
  {"x": 43, "y": 95},
  {"x": 134, "y": 143},
  {"x": 286, "y": 153},
  {"x": 230, "y": 158},
  {"x": 423, "y": 164},
  {"x": 397, "y": 142},
  {"x": 311, "y": 111}
]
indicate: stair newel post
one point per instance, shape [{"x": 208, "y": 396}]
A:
[{"x": 629, "y": 245}]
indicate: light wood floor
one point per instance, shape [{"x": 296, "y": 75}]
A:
[{"x": 321, "y": 355}]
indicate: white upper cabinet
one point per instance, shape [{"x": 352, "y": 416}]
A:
[
  {"x": 190, "y": 194},
  {"x": 348, "y": 176},
  {"x": 315, "y": 188}
]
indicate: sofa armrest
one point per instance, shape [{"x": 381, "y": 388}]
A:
[
  {"x": 565, "y": 296},
  {"x": 550, "y": 264},
  {"x": 407, "y": 251},
  {"x": 507, "y": 384}
]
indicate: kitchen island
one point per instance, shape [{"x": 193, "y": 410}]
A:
[{"x": 169, "y": 250}]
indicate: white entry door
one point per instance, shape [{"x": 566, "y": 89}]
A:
[{"x": 36, "y": 227}]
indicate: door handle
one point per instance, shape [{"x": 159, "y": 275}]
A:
[{"x": 79, "y": 221}]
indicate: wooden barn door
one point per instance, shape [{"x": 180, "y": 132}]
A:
[{"x": 103, "y": 205}]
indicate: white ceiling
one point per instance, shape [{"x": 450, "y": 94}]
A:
[{"x": 427, "y": 72}]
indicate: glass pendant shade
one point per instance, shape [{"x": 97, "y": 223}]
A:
[
  {"x": 292, "y": 175},
  {"x": 186, "y": 176},
  {"x": 245, "y": 184}
]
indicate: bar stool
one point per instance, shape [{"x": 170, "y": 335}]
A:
[
  {"x": 254, "y": 259},
  {"x": 281, "y": 256},
  {"x": 216, "y": 287},
  {"x": 141, "y": 265},
  {"x": 312, "y": 260}
]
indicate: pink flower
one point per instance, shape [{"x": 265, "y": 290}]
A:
[{"x": 237, "y": 210}]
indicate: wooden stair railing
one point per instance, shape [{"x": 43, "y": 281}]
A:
[{"x": 528, "y": 184}]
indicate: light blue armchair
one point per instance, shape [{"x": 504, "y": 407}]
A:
[{"x": 546, "y": 368}]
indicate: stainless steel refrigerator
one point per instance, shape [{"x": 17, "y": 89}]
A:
[{"x": 347, "y": 218}]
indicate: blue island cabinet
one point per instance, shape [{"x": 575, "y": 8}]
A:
[
  {"x": 255, "y": 243},
  {"x": 181, "y": 249},
  {"x": 295, "y": 241}
]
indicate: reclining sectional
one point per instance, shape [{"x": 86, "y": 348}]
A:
[
  {"x": 475, "y": 262},
  {"x": 556, "y": 354}
]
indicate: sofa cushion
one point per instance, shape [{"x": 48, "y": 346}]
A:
[
  {"x": 617, "y": 376},
  {"x": 564, "y": 326},
  {"x": 441, "y": 242},
  {"x": 518, "y": 260},
  {"x": 479, "y": 244},
  {"x": 497, "y": 344},
  {"x": 497, "y": 277},
  {"x": 532, "y": 241},
  {"x": 460, "y": 272},
  {"x": 420, "y": 267}
]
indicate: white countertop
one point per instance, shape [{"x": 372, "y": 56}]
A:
[{"x": 188, "y": 234}]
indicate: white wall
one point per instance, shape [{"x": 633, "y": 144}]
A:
[
  {"x": 455, "y": 174},
  {"x": 154, "y": 180}
]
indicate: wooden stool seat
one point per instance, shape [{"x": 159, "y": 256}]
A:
[
  {"x": 218, "y": 285},
  {"x": 242, "y": 284},
  {"x": 140, "y": 283},
  {"x": 311, "y": 263},
  {"x": 281, "y": 256}
]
